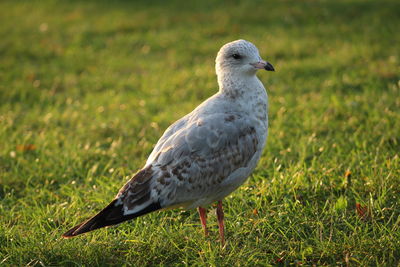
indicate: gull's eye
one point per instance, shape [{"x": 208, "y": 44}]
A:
[{"x": 236, "y": 56}]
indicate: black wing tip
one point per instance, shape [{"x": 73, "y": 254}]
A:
[
  {"x": 110, "y": 215},
  {"x": 97, "y": 221},
  {"x": 70, "y": 232}
]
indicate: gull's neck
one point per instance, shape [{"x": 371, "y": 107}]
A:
[
  {"x": 239, "y": 86},
  {"x": 248, "y": 93}
]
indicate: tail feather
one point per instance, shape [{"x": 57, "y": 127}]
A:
[{"x": 110, "y": 215}]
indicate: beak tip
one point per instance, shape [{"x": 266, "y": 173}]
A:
[{"x": 269, "y": 67}]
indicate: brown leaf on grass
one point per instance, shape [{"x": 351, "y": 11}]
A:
[
  {"x": 347, "y": 259},
  {"x": 347, "y": 176},
  {"x": 24, "y": 148},
  {"x": 362, "y": 212},
  {"x": 255, "y": 212}
]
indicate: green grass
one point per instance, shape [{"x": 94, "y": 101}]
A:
[{"x": 88, "y": 87}]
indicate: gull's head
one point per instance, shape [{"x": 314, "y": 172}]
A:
[{"x": 240, "y": 57}]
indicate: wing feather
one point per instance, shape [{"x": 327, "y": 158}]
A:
[{"x": 200, "y": 156}]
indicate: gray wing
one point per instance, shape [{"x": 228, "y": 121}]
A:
[{"x": 192, "y": 161}]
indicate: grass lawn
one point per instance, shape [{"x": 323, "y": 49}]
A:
[{"x": 88, "y": 87}]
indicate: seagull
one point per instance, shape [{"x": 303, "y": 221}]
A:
[{"x": 204, "y": 156}]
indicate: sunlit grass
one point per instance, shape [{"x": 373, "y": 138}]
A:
[{"x": 88, "y": 87}]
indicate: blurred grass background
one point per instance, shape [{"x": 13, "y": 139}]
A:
[{"x": 88, "y": 87}]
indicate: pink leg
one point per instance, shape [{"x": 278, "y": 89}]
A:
[
  {"x": 220, "y": 216},
  {"x": 203, "y": 219}
]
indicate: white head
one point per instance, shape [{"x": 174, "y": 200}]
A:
[{"x": 240, "y": 57}]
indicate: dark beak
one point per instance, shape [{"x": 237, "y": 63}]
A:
[{"x": 269, "y": 67}]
